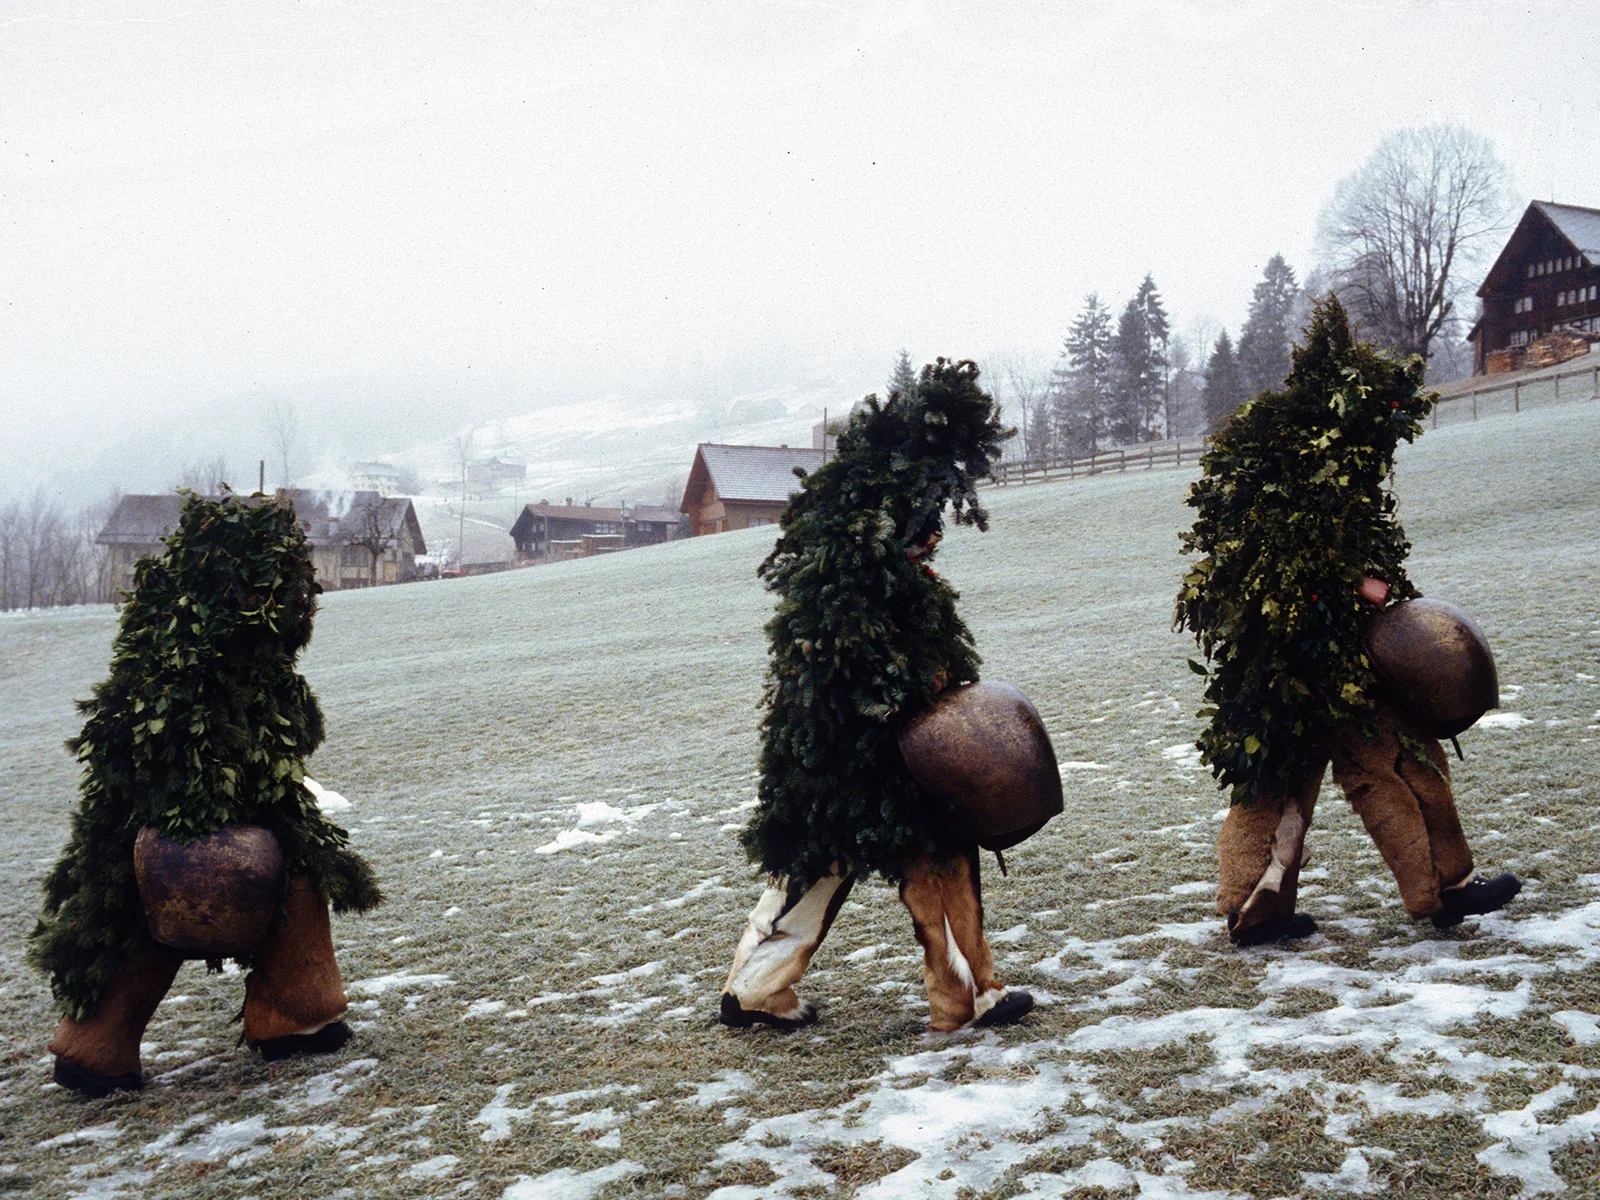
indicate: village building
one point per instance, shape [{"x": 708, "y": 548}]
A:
[
  {"x": 377, "y": 477},
  {"x": 490, "y": 475},
  {"x": 357, "y": 539},
  {"x": 1541, "y": 299},
  {"x": 737, "y": 487},
  {"x": 546, "y": 532}
]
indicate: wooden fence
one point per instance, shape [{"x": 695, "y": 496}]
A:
[
  {"x": 1146, "y": 457},
  {"x": 1488, "y": 395}
]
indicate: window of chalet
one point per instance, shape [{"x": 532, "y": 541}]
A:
[{"x": 354, "y": 556}]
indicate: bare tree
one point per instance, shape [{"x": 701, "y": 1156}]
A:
[
  {"x": 282, "y": 424},
  {"x": 1401, "y": 231},
  {"x": 371, "y": 526},
  {"x": 207, "y": 476}
]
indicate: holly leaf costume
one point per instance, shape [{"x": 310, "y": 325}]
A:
[
  {"x": 862, "y": 634},
  {"x": 203, "y": 722},
  {"x": 1292, "y": 512}
]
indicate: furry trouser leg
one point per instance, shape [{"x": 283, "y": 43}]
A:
[
  {"x": 786, "y": 926},
  {"x": 107, "y": 1044},
  {"x": 294, "y": 985},
  {"x": 1260, "y": 852},
  {"x": 1407, "y": 807},
  {"x": 946, "y": 905}
]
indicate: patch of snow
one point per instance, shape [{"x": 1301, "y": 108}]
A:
[
  {"x": 567, "y": 1184},
  {"x": 1525, "y": 1144},
  {"x": 400, "y": 979},
  {"x": 1082, "y": 766},
  {"x": 93, "y": 1133},
  {"x": 328, "y": 800},
  {"x": 433, "y": 1168},
  {"x": 726, "y": 1085},
  {"x": 483, "y": 1007},
  {"x": 1581, "y": 1027},
  {"x": 1503, "y": 720}
]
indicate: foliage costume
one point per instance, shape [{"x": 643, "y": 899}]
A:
[
  {"x": 1293, "y": 517},
  {"x": 865, "y": 632},
  {"x": 203, "y": 723}
]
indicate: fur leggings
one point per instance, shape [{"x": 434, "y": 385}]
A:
[
  {"x": 1406, "y": 806},
  {"x": 293, "y": 988},
  {"x": 946, "y": 905}
]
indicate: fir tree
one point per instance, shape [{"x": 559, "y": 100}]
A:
[
  {"x": 1139, "y": 367},
  {"x": 1081, "y": 383},
  {"x": 863, "y": 634},
  {"x": 903, "y": 378},
  {"x": 203, "y": 722},
  {"x": 1292, "y": 512},
  {"x": 1267, "y": 336},
  {"x": 1224, "y": 387}
]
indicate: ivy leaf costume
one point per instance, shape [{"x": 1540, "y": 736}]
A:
[
  {"x": 203, "y": 722},
  {"x": 864, "y": 634},
  {"x": 1293, "y": 514}
]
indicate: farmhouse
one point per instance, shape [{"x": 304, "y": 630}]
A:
[
  {"x": 545, "y": 532},
  {"x": 357, "y": 539},
  {"x": 735, "y": 487},
  {"x": 1544, "y": 287}
]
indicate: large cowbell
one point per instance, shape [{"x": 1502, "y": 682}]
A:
[
  {"x": 1434, "y": 664},
  {"x": 982, "y": 753}
]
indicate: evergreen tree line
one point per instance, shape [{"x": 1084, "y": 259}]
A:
[{"x": 1123, "y": 380}]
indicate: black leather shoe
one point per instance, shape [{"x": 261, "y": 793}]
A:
[
  {"x": 1278, "y": 929},
  {"x": 1007, "y": 1010},
  {"x": 324, "y": 1041},
  {"x": 734, "y": 1016},
  {"x": 1474, "y": 899},
  {"x": 91, "y": 1084}
]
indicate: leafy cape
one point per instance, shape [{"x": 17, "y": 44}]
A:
[
  {"x": 1293, "y": 511},
  {"x": 204, "y": 721},
  {"x": 862, "y": 634}
]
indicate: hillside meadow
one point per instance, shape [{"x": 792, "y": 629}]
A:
[{"x": 548, "y": 768}]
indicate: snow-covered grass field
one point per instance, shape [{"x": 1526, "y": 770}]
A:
[{"x": 547, "y": 767}]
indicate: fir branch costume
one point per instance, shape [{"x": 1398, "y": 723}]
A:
[
  {"x": 203, "y": 722},
  {"x": 864, "y": 633},
  {"x": 1293, "y": 516}
]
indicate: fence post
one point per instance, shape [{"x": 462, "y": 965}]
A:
[
  {"x": 1475, "y": 404},
  {"x": 1516, "y": 396},
  {"x": 1558, "y": 387}
]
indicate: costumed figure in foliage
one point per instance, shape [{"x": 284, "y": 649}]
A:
[
  {"x": 864, "y": 635},
  {"x": 195, "y": 836},
  {"x": 1300, "y": 552}
]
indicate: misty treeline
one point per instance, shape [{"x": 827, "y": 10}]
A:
[
  {"x": 1400, "y": 242},
  {"x": 48, "y": 555}
]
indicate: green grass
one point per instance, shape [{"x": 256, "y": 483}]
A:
[{"x": 574, "y": 999}]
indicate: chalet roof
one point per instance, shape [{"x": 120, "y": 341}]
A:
[
  {"x": 329, "y": 518},
  {"x": 749, "y": 473},
  {"x": 572, "y": 512},
  {"x": 141, "y": 520},
  {"x": 1578, "y": 227}
]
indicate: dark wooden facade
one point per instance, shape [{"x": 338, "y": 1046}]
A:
[
  {"x": 1546, "y": 281},
  {"x": 545, "y": 532}
]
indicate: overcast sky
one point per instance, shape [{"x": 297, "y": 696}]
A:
[{"x": 407, "y": 216}]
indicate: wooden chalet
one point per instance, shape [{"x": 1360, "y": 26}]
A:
[
  {"x": 736, "y": 487},
  {"x": 357, "y": 538},
  {"x": 547, "y": 532},
  {"x": 1545, "y": 286}
]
